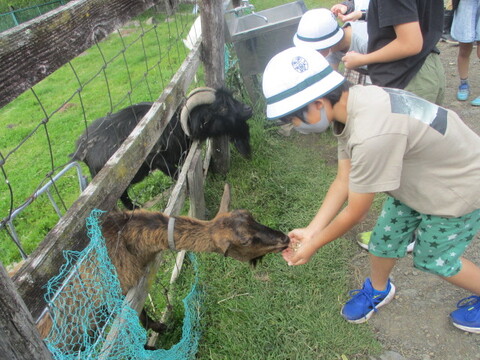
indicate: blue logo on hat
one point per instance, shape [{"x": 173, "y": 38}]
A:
[{"x": 300, "y": 64}]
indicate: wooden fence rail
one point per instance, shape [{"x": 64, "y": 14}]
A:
[{"x": 34, "y": 50}]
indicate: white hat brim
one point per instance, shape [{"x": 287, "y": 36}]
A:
[
  {"x": 322, "y": 44},
  {"x": 304, "y": 97}
]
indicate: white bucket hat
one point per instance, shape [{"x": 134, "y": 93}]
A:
[
  {"x": 318, "y": 29},
  {"x": 294, "y": 78}
]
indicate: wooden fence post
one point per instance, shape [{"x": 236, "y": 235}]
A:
[
  {"x": 19, "y": 337},
  {"x": 196, "y": 188},
  {"x": 213, "y": 45}
]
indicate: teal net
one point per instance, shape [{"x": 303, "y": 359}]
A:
[{"x": 86, "y": 306}]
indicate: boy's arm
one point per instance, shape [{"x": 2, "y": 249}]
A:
[
  {"x": 409, "y": 42},
  {"x": 325, "y": 227},
  {"x": 355, "y": 211},
  {"x": 336, "y": 196}
]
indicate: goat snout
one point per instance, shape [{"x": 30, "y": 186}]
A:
[
  {"x": 285, "y": 241},
  {"x": 282, "y": 242}
]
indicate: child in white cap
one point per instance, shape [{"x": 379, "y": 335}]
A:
[
  {"x": 318, "y": 29},
  {"x": 389, "y": 141}
]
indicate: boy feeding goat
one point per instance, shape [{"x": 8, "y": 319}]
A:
[{"x": 394, "y": 142}]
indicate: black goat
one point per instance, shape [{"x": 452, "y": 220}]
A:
[{"x": 207, "y": 113}]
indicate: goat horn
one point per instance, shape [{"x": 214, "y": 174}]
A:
[{"x": 198, "y": 96}]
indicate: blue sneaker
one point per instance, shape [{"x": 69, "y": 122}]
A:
[
  {"x": 467, "y": 316},
  {"x": 476, "y": 101},
  {"x": 463, "y": 92},
  {"x": 364, "y": 302}
]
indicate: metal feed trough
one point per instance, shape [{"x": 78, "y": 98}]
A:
[{"x": 258, "y": 36}]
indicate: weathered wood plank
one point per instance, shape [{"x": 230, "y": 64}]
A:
[
  {"x": 20, "y": 338},
  {"x": 136, "y": 296},
  {"x": 103, "y": 191},
  {"x": 214, "y": 62},
  {"x": 196, "y": 189},
  {"x": 35, "y": 49}
]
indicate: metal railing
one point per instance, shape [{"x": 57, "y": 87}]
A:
[
  {"x": 82, "y": 182},
  {"x": 17, "y": 16}
]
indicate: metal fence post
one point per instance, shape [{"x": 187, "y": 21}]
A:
[{"x": 12, "y": 12}]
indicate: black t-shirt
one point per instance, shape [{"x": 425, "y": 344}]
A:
[{"x": 383, "y": 15}]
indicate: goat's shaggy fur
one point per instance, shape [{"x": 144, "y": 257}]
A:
[
  {"x": 134, "y": 238},
  {"x": 225, "y": 116}
]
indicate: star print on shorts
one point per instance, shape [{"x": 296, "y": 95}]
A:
[{"x": 440, "y": 241}]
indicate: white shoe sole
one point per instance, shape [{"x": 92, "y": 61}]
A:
[
  {"x": 467, "y": 329},
  {"x": 385, "y": 301},
  {"x": 362, "y": 245}
]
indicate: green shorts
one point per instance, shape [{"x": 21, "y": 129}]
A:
[
  {"x": 440, "y": 241},
  {"x": 429, "y": 81}
]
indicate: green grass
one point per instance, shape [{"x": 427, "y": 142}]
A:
[
  {"x": 121, "y": 83},
  {"x": 270, "y": 312},
  {"x": 276, "y": 311}
]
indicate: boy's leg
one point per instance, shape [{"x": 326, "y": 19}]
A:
[
  {"x": 467, "y": 315},
  {"x": 380, "y": 269},
  {"x": 467, "y": 278},
  {"x": 440, "y": 245},
  {"x": 390, "y": 238}
]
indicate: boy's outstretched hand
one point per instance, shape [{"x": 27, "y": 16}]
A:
[{"x": 300, "y": 249}]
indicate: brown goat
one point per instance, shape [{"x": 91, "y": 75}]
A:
[{"x": 134, "y": 238}]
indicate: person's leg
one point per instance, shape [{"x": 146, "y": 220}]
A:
[
  {"x": 467, "y": 278},
  {"x": 463, "y": 59},
  {"x": 467, "y": 315},
  {"x": 440, "y": 245},
  {"x": 380, "y": 269},
  {"x": 463, "y": 31},
  {"x": 463, "y": 62},
  {"x": 476, "y": 101},
  {"x": 390, "y": 239}
]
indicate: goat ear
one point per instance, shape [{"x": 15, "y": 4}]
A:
[{"x": 223, "y": 246}]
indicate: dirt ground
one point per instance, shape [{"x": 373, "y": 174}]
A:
[{"x": 416, "y": 325}]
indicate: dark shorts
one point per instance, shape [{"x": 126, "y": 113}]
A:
[{"x": 429, "y": 81}]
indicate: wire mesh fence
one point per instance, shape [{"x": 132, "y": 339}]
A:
[
  {"x": 17, "y": 16},
  {"x": 86, "y": 304},
  {"x": 40, "y": 127}
]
